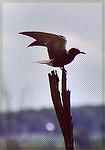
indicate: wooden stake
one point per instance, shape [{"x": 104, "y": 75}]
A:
[{"x": 61, "y": 102}]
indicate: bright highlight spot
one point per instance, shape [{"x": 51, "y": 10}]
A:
[{"x": 50, "y": 126}]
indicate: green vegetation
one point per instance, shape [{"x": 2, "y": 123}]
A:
[{"x": 15, "y": 145}]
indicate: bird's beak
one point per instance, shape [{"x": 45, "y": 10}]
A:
[{"x": 83, "y": 53}]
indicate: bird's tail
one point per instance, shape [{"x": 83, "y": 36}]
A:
[{"x": 47, "y": 62}]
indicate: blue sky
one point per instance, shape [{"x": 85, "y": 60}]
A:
[{"x": 25, "y": 84}]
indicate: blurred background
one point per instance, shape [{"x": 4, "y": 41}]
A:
[{"x": 27, "y": 117}]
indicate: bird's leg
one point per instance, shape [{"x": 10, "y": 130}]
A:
[{"x": 62, "y": 68}]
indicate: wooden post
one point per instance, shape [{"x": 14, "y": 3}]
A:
[{"x": 61, "y": 102}]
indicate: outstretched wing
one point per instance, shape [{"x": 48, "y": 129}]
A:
[{"x": 55, "y": 43}]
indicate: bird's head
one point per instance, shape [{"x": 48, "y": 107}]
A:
[{"x": 75, "y": 51}]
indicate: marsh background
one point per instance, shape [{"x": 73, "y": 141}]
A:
[{"x": 27, "y": 118}]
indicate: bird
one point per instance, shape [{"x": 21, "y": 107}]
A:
[{"x": 56, "y": 47}]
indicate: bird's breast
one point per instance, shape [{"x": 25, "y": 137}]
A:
[
  {"x": 63, "y": 60},
  {"x": 59, "y": 61}
]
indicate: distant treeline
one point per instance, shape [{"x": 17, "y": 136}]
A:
[{"x": 89, "y": 122}]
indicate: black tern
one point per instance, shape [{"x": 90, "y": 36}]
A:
[{"x": 56, "y": 47}]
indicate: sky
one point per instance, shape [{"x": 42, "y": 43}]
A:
[{"x": 26, "y": 84}]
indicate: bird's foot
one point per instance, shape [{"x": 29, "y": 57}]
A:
[{"x": 63, "y": 69}]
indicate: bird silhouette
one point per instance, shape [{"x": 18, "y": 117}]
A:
[{"x": 56, "y": 47}]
